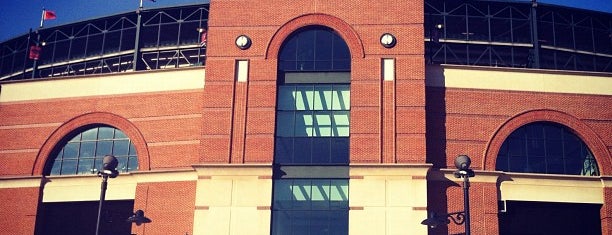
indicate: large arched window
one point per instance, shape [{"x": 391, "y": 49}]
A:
[
  {"x": 546, "y": 147},
  {"x": 312, "y": 134},
  {"x": 85, "y": 149}
]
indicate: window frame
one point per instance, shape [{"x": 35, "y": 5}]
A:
[
  {"x": 85, "y": 149},
  {"x": 535, "y": 148}
]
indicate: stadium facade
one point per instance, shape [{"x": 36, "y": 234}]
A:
[{"x": 324, "y": 117}]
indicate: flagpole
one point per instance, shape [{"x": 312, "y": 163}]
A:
[
  {"x": 25, "y": 58},
  {"x": 42, "y": 18},
  {"x": 137, "y": 39},
  {"x": 35, "y": 63}
]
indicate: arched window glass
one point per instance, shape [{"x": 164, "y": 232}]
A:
[
  {"x": 548, "y": 148},
  {"x": 84, "y": 151},
  {"x": 315, "y": 49}
]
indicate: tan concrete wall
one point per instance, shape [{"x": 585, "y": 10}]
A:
[
  {"x": 233, "y": 199},
  {"x": 111, "y": 84},
  {"x": 388, "y": 199},
  {"x": 512, "y": 79}
]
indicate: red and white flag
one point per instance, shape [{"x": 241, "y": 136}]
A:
[
  {"x": 49, "y": 15},
  {"x": 203, "y": 38}
]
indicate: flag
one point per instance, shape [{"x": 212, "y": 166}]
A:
[
  {"x": 34, "y": 52},
  {"x": 49, "y": 15},
  {"x": 203, "y": 38}
]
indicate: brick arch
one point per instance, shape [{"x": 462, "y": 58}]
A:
[
  {"x": 344, "y": 30},
  {"x": 582, "y": 130},
  {"x": 87, "y": 119}
]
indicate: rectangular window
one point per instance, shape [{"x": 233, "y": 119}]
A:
[
  {"x": 310, "y": 206},
  {"x": 311, "y": 154},
  {"x": 310, "y": 120}
]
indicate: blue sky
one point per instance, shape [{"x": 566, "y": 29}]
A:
[{"x": 18, "y": 16}]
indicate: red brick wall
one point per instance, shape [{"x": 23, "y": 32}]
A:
[
  {"x": 375, "y": 136},
  {"x": 18, "y": 212},
  {"x": 32, "y": 129},
  {"x": 464, "y": 121},
  {"x": 169, "y": 205}
]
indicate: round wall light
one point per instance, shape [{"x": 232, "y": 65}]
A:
[
  {"x": 387, "y": 40},
  {"x": 243, "y": 42}
]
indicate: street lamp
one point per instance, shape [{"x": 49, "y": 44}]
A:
[
  {"x": 109, "y": 169},
  {"x": 462, "y": 162},
  {"x": 435, "y": 220}
]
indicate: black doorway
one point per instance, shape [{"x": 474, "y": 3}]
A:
[
  {"x": 77, "y": 218},
  {"x": 543, "y": 218}
]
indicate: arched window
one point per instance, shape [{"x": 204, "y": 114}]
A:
[
  {"x": 313, "y": 108},
  {"x": 85, "y": 149},
  {"x": 312, "y": 134},
  {"x": 546, "y": 147},
  {"x": 316, "y": 49}
]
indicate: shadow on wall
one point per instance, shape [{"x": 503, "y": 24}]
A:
[{"x": 435, "y": 116}]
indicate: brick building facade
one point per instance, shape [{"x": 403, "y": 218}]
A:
[{"x": 206, "y": 138}]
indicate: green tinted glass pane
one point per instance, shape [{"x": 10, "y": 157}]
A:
[
  {"x": 284, "y": 123},
  {"x": 322, "y": 124},
  {"x": 281, "y": 223},
  {"x": 58, "y": 156},
  {"x": 104, "y": 148},
  {"x": 87, "y": 149},
  {"x": 286, "y": 98},
  {"x": 121, "y": 147},
  {"x": 91, "y": 134},
  {"x": 283, "y": 194},
  {"x": 56, "y": 168},
  {"x": 320, "y": 194},
  {"x": 304, "y": 98},
  {"x": 300, "y": 222},
  {"x": 123, "y": 164},
  {"x": 133, "y": 149},
  {"x": 76, "y": 138},
  {"x": 86, "y": 166},
  {"x": 303, "y": 124},
  {"x": 69, "y": 167},
  {"x": 319, "y": 222},
  {"x": 339, "y": 193},
  {"x": 341, "y": 123},
  {"x": 323, "y": 97},
  {"x": 120, "y": 135},
  {"x": 341, "y": 99},
  {"x": 105, "y": 133},
  {"x": 132, "y": 164},
  {"x": 98, "y": 164},
  {"x": 338, "y": 222},
  {"x": 71, "y": 150},
  {"x": 301, "y": 194}
]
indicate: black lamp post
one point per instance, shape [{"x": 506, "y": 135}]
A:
[
  {"x": 109, "y": 169},
  {"x": 462, "y": 162}
]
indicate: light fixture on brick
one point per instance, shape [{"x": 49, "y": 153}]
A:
[
  {"x": 387, "y": 40},
  {"x": 243, "y": 42}
]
